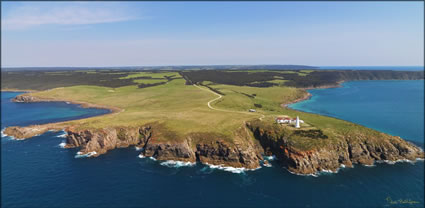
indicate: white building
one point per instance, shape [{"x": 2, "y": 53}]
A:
[
  {"x": 296, "y": 121},
  {"x": 281, "y": 120}
]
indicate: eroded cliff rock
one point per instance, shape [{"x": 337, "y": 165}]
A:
[
  {"x": 21, "y": 133},
  {"x": 245, "y": 147},
  {"x": 332, "y": 154},
  {"x": 206, "y": 148}
]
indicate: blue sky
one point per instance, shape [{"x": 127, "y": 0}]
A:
[{"x": 203, "y": 33}]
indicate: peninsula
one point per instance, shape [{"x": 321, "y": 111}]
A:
[{"x": 218, "y": 117}]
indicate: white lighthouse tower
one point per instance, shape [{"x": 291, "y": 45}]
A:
[{"x": 297, "y": 123}]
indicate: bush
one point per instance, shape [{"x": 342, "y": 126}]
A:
[{"x": 258, "y": 105}]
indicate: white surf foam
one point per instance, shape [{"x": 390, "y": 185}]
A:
[
  {"x": 81, "y": 155},
  {"x": 62, "y": 144},
  {"x": 328, "y": 171},
  {"x": 397, "y": 161},
  {"x": 2, "y": 133},
  {"x": 7, "y": 136},
  {"x": 138, "y": 148},
  {"x": 141, "y": 156},
  {"x": 62, "y": 135},
  {"x": 152, "y": 158},
  {"x": 176, "y": 164},
  {"x": 300, "y": 174},
  {"x": 230, "y": 169},
  {"x": 227, "y": 168},
  {"x": 267, "y": 165},
  {"x": 321, "y": 172},
  {"x": 270, "y": 158}
]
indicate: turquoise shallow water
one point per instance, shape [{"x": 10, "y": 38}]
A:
[
  {"x": 395, "y": 68},
  {"x": 38, "y": 173},
  {"x": 395, "y": 107}
]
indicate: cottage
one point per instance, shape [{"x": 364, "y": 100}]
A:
[
  {"x": 281, "y": 120},
  {"x": 286, "y": 120}
]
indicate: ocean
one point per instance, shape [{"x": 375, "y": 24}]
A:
[
  {"x": 38, "y": 172},
  {"x": 395, "y": 68}
]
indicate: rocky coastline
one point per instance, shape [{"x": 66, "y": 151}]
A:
[
  {"x": 247, "y": 148},
  {"x": 349, "y": 150},
  {"x": 243, "y": 153}
]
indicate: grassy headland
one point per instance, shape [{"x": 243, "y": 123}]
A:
[
  {"x": 204, "y": 116},
  {"x": 167, "y": 98}
]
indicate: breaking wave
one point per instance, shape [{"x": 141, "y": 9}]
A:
[
  {"x": 397, "y": 161},
  {"x": 63, "y": 134},
  {"x": 321, "y": 172},
  {"x": 394, "y": 162},
  {"x": 227, "y": 168},
  {"x": 177, "y": 164},
  {"x": 3, "y": 134},
  {"x": 267, "y": 165},
  {"x": 270, "y": 158},
  {"x": 7, "y": 136},
  {"x": 141, "y": 156},
  {"x": 81, "y": 155},
  {"x": 62, "y": 144},
  {"x": 230, "y": 169}
]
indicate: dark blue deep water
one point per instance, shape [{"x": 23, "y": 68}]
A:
[{"x": 37, "y": 172}]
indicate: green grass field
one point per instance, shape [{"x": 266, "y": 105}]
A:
[
  {"x": 183, "y": 109},
  {"x": 157, "y": 75}
]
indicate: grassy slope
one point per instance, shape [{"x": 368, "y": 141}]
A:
[
  {"x": 271, "y": 98},
  {"x": 183, "y": 108},
  {"x": 152, "y": 75}
]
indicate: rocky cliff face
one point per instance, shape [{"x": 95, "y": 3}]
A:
[
  {"x": 214, "y": 151},
  {"x": 346, "y": 151},
  {"x": 241, "y": 150}
]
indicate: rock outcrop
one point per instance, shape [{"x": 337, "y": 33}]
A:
[
  {"x": 27, "y": 99},
  {"x": 345, "y": 151},
  {"x": 21, "y": 133},
  {"x": 202, "y": 147},
  {"x": 241, "y": 151}
]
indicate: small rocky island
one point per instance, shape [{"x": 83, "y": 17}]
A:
[{"x": 209, "y": 128}]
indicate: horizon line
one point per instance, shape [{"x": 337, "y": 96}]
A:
[{"x": 204, "y": 65}]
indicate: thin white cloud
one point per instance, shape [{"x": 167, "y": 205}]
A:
[{"x": 25, "y": 17}]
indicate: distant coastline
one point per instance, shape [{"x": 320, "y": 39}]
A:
[
  {"x": 394, "y": 68},
  {"x": 17, "y": 90},
  {"x": 222, "y": 67}
]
